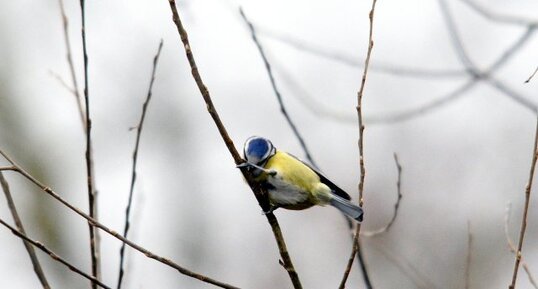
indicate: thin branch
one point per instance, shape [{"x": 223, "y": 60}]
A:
[
  {"x": 15, "y": 167},
  {"x": 391, "y": 69},
  {"x": 53, "y": 255},
  {"x": 135, "y": 158},
  {"x": 259, "y": 192},
  {"x": 526, "y": 209},
  {"x": 275, "y": 88},
  {"x": 532, "y": 75},
  {"x": 469, "y": 255},
  {"x": 29, "y": 248},
  {"x": 506, "y": 90},
  {"x": 472, "y": 69},
  {"x": 89, "y": 158},
  {"x": 403, "y": 71},
  {"x": 356, "y": 243},
  {"x": 62, "y": 82},
  {"x": 476, "y": 75},
  {"x": 456, "y": 40},
  {"x": 513, "y": 247},
  {"x": 319, "y": 109},
  {"x": 75, "y": 89},
  {"x": 387, "y": 227},
  {"x": 495, "y": 17}
]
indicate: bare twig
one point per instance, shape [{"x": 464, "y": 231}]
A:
[
  {"x": 506, "y": 90},
  {"x": 528, "y": 189},
  {"x": 472, "y": 68},
  {"x": 53, "y": 255},
  {"x": 472, "y": 82},
  {"x": 62, "y": 82},
  {"x": 469, "y": 255},
  {"x": 89, "y": 158},
  {"x": 135, "y": 158},
  {"x": 387, "y": 227},
  {"x": 513, "y": 247},
  {"x": 318, "y": 108},
  {"x": 476, "y": 75},
  {"x": 356, "y": 244},
  {"x": 392, "y": 69},
  {"x": 532, "y": 75},
  {"x": 275, "y": 88},
  {"x": 75, "y": 89},
  {"x": 259, "y": 192},
  {"x": 16, "y": 168},
  {"x": 29, "y": 248},
  {"x": 495, "y": 17},
  {"x": 456, "y": 41}
]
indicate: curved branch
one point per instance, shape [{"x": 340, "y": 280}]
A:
[
  {"x": 29, "y": 248},
  {"x": 356, "y": 243},
  {"x": 259, "y": 192},
  {"x": 275, "y": 89},
  {"x": 53, "y": 255},
  {"x": 94, "y": 223},
  {"x": 387, "y": 227}
]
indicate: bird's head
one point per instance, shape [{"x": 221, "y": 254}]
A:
[{"x": 258, "y": 149}]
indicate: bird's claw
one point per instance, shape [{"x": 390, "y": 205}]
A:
[{"x": 270, "y": 211}]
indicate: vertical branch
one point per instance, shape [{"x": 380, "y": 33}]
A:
[
  {"x": 75, "y": 89},
  {"x": 513, "y": 247},
  {"x": 135, "y": 159},
  {"x": 356, "y": 244},
  {"x": 525, "y": 210},
  {"x": 259, "y": 192},
  {"x": 89, "y": 158},
  {"x": 29, "y": 248},
  {"x": 469, "y": 255},
  {"x": 275, "y": 88}
]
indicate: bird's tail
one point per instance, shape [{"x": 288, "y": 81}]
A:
[{"x": 353, "y": 211}]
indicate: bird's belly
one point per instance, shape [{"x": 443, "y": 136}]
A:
[{"x": 286, "y": 195}]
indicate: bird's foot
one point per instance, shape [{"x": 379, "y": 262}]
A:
[
  {"x": 270, "y": 211},
  {"x": 247, "y": 164}
]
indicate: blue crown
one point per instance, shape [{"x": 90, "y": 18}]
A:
[{"x": 258, "y": 147}]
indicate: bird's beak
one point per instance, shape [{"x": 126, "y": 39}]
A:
[{"x": 242, "y": 165}]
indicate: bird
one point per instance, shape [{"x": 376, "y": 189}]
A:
[{"x": 291, "y": 183}]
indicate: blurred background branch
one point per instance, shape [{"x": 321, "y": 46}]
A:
[
  {"x": 447, "y": 118},
  {"x": 20, "y": 228},
  {"x": 135, "y": 159},
  {"x": 94, "y": 223},
  {"x": 53, "y": 255}
]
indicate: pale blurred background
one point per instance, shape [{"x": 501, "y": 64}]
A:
[{"x": 463, "y": 162}]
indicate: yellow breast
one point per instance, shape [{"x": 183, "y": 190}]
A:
[{"x": 293, "y": 171}]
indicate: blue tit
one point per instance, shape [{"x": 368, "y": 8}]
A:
[{"x": 291, "y": 183}]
